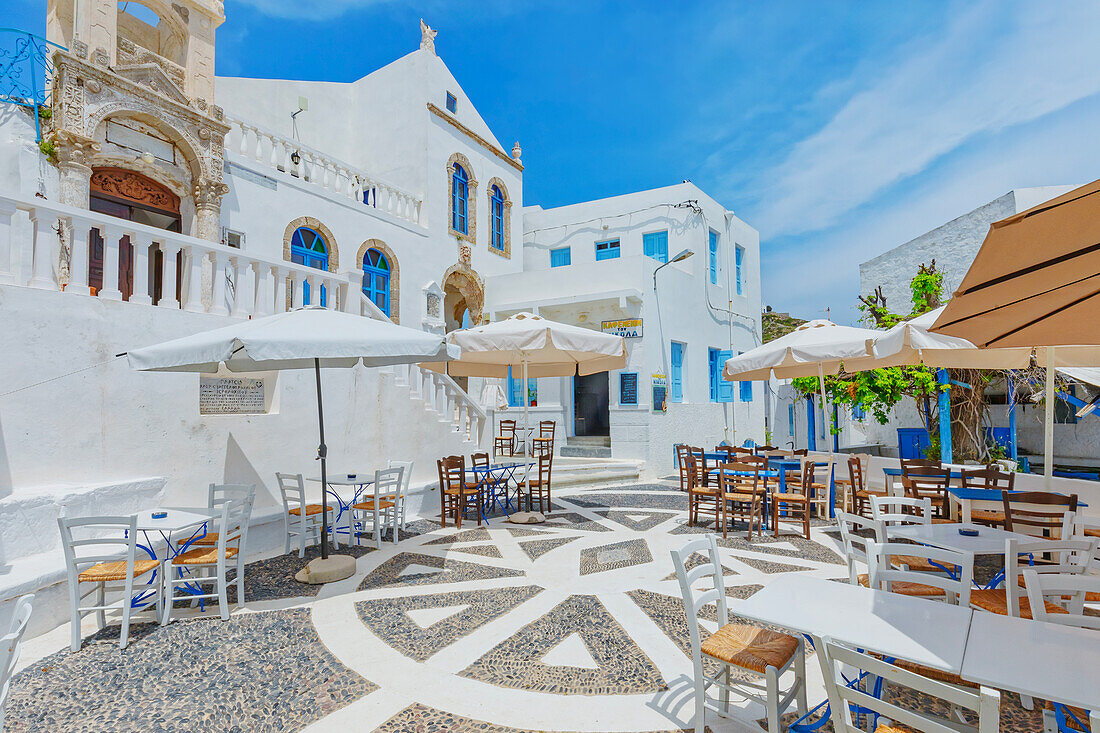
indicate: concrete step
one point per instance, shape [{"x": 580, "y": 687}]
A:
[
  {"x": 577, "y": 472},
  {"x": 585, "y": 451},
  {"x": 589, "y": 440}
]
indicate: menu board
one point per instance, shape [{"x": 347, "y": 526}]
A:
[
  {"x": 628, "y": 388},
  {"x": 231, "y": 396},
  {"x": 660, "y": 393}
]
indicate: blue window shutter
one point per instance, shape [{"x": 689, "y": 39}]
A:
[
  {"x": 561, "y": 257},
  {"x": 790, "y": 420},
  {"x": 655, "y": 245},
  {"x": 515, "y": 390},
  {"x": 676, "y": 378},
  {"x": 607, "y": 250},
  {"x": 740, "y": 256},
  {"x": 714, "y": 371},
  {"x": 746, "y": 391},
  {"x": 725, "y": 387},
  {"x": 714, "y": 257}
]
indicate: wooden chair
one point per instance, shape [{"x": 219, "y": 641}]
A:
[
  {"x": 860, "y": 494},
  {"x": 702, "y": 477},
  {"x": 742, "y": 497},
  {"x": 821, "y": 489},
  {"x": 479, "y": 460},
  {"x": 10, "y": 647},
  {"x": 932, "y": 484},
  {"x": 1066, "y": 557},
  {"x": 210, "y": 564},
  {"x": 838, "y": 661},
  {"x": 855, "y": 550},
  {"x": 760, "y": 655},
  {"x": 538, "y": 487},
  {"x": 682, "y": 466},
  {"x": 889, "y": 563},
  {"x": 455, "y": 492},
  {"x": 989, "y": 477},
  {"x": 506, "y": 441},
  {"x": 300, "y": 519},
  {"x": 544, "y": 443},
  {"x": 910, "y": 463},
  {"x": 795, "y": 501},
  {"x": 761, "y": 449},
  {"x": 101, "y": 551},
  {"x": 1026, "y": 512},
  {"x": 702, "y": 497}
]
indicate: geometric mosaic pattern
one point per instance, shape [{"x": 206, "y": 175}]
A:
[
  {"x": 537, "y": 548},
  {"x": 415, "y": 569},
  {"x": 614, "y": 556},
  {"x": 621, "y": 668},
  {"x": 483, "y": 550},
  {"x": 419, "y": 717},
  {"x": 639, "y": 521},
  {"x": 466, "y": 535}
]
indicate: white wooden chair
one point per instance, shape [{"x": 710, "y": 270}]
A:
[
  {"x": 836, "y": 658},
  {"x": 206, "y": 564},
  {"x": 899, "y": 511},
  {"x": 1065, "y": 557},
  {"x": 382, "y": 508},
  {"x": 102, "y": 552},
  {"x": 300, "y": 519},
  {"x": 402, "y": 494},
  {"x": 855, "y": 551},
  {"x": 884, "y": 570},
  {"x": 218, "y": 495},
  {"x": 763, "y": 654},
  {"x": 10, "y": 644},
  {"x": 1067, "y": 590}
]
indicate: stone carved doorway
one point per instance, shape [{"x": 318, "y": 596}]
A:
[{"x": 463, "y": 299}]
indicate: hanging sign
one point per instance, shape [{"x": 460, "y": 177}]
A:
[
  {"x": 660, "y": 393},
  {"x": 629, "y": 328}
]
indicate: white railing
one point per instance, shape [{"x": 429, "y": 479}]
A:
[
  {"x": 275, "y": 152},
  {"x": 210, "y": 277}
]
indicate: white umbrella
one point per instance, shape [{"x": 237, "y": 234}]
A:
[
  {"x": 306, "y": 338},
  {"x": 535, "y": 345}
]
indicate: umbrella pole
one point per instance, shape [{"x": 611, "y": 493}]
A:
[
  {"x": 1048, "y": 432},
  {"x": 526, "y": 413},
  {"x": 322, "y": 454},
  {"x": 826, "y": 419}
]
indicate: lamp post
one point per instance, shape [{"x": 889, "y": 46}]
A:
[{"x": 680, "y": 257}]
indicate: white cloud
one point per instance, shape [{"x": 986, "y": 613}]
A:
[{"x": 995, "y": 66}]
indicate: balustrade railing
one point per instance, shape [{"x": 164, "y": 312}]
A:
[{"x": 288, "y": 156}]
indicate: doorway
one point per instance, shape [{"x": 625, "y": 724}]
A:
[
  {"x": 591, "y": 405},
  {"x": 131, "y": 196}
]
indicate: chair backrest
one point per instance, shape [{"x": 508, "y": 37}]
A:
[
  {"x": 838, "y": 660},
  {"x": 855, "y": 474},
  {"x": 292, "y": 487},
  {"x": 406, "y": 475},
  {"x": 90, "y": 540},
  {"x": 10, "y": 644},
  {"x": 221, "y": 493},
  {"x": 479, "y": 460},
  {"x": 739, "y": 483},
  {"x": 387, "y": 481},
  {"x": 695, "y": 600},
  {"x": 882, "y": 574},
  {"x": 1043, "y": 557},
  {"x": 233, "y": 527},
  {"x": 989, "y": 477},
  {"x": 930, "y": 483},
  {"x": 899, "y": 510},
  {"x": 907, "y": 464},
  {"x": 544, "y": 463},
  {"x": 690, "y": 473},
  {"x": 800, "y": 452},
  {"x": 855, "y": 545},
  {"x": 542, "y": 446},
  {"x": 700, "y": 464},
  {"x": 452, "y": 473},
  {"x": 1069, "y": 590},
  {"x": 823, "y": 474},
  {"x": 765, "y": 448},
  {"x": 1087, "y": 526},
  {"x": 808, "y": 469},
  {"x": 682, "y": 455},
  {"x": 507, "y": 428},
  {"x": 547, "y": 428},
  {"x": 1038, "y": 513}
]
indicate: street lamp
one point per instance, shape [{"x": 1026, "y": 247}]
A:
[{"x": 680, "y": 257}]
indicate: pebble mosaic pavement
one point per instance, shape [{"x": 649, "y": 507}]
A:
[{"x": 450, "y": 631}]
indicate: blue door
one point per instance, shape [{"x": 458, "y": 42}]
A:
[
  {"x": 309, "y": 248},
  {"x": 676, "y": 377}
]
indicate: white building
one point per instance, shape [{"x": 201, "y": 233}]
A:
[{"x": 181, "y": 201}]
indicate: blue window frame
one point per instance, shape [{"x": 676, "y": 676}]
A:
[
  {"x": 452, "y": 103},
  {"x": 376, "y": 279},
  {"x": 790, "y": 420},
  {"x": 460, "y": 198},
  {"x": 496, "y": 216},
  {"x": 745, "y": 388},
  {"x": 561, "y": 257},
  {"x": 309, "y": 248},
  {"x": 655, "y": 245},
  {"x": 628, "y": 388},
  {"x": 515, "y": 390},
  {"x": 858, "y": 413},
  {"x": 714, "y": 257},
  {"x": 740, "y": 255},
  {"x": 608, "y": 250},
  {"x": 721, "y": 390},
  {"x": 676, "y": 373}
]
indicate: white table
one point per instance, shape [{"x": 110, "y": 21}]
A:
[
  {"x": 1044, "y": 660},
  {"x": 176, "y": 521},
  {"x": 914, "y": 629},
  {"x": 359, "y": 480},
  {"x": 990, "y": 540}
]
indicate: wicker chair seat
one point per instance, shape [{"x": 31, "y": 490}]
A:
[
  {"x": 1080, "y": 713},
  {"x": 750, "y": 647},
  {"x": 934, "y": 674},
  {"x": 210, "y": 539},
  {"x": 705, "y": 491},
  {"x": 739, "y": 496},
  {"x": 918, "y": 564},
  {"x": 466, "y": 489},
  {"x": 943, "y": 520},
  {"x": 905, "y": 588},
  {"x": 311, "y": 509},
  {"x": 530, "y": 484},
  {"x": 367, "y": 505},
  {"x": 1092, "y": 532},
  {"x": 883, "y": 728},
  {"x": 987, "y": 515},
  {"x": 790, "y": 496},
  {"x": 202, "y": 556},
  {"x": 111, "y": 571},
  {"x": 995, "y": 600}
]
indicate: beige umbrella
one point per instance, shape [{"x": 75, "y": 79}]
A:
[{"x": 534, "y": 345}]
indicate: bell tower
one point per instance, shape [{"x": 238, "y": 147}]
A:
[{"x": 134, "y": 90}]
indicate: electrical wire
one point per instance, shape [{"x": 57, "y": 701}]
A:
[{"x": 62, "y": 376}]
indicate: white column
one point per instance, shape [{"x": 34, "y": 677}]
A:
[
  {"x": 296, "y": 282},
  {"x": 140, "y": 259},
  {"x": 314, "y": 290},
  {"x": 217, "y": 280},
  {"x": 78, "y": 257},
  {"x": 111, "y": 236},
  {"x": 7, "y": 240},
  {"x": 263, "y": 297},
  {"x": 1048, "y": 422},
  {"x": 41, "y": 275},
  {"x": 193, "y": 258},
  {"x": 244, "y": 301},
  {"x": 169, "y": 276},
  {"x": 279, "y": 303}
]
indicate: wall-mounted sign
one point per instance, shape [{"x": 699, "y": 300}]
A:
[
  {"x": 630, "y": 328},
  {"x": 660, "y": 393},
  {"x": 231, "y": 396}
]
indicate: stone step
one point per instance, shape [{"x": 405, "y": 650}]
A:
[
  {"x": 585, "y": 451},
  {"x": 589, "y": 440},
  {"x": 573, "y": 472}
]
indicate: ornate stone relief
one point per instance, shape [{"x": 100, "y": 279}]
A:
[{"x": 127, "y": 185}]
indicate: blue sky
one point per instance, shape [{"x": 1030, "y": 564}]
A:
[{"x": 838, "y": 129}]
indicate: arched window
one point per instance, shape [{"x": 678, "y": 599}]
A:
[
  {"x": 460, "y": 196},
  {"x": 376, "y": 279},
  {"x": 496, "y": 216},
  {"x": 309, "y": 248}
]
